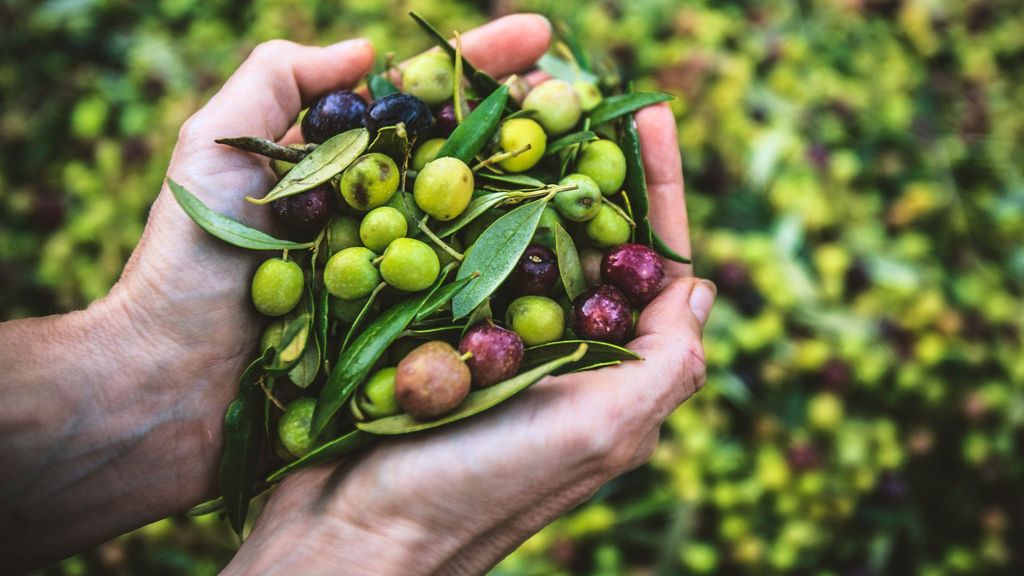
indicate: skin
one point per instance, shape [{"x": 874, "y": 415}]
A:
[{"x": 140, "y": 405}]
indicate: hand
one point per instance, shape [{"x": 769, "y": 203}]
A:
[{"x": 458, "y": 499}]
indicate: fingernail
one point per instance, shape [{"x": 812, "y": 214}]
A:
[
  {"x": 702, "y": 298},
  {"x": 348, "y": 44}
]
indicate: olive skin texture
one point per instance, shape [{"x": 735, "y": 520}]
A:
[
  {"x": 514, "y": 135},
  {"x": 342, "y": 232},
  {"x": 272, "y": 334},
  {"x": 536, "y": 319},
  {"x": 277, "y": 286},
  {"x": 425, "y": 153},
  {"x": 333, "y": 114},
  {"x": 431, "y": 381},
  {"x": 429, "y": 77},
  {"x": 535, "y": 273},
  {"x": 370, "y": 181},
  {"x": 496, "y": 353},
  {"x": 589, "y": 93},
  {"x": 444, "y": 188},
  {"x": 305, "y": 214},
  {"x": 602, "y": 313},
  {"x": 404, "y": 108},
  {"x": 557, "y": 106},
  {"x": 377, "y": 397},
  {"x": 636, "y": 270},
  {"x": 581, "y": 204},
  {"x": 608, "y": 229},
  {"x": 380, "y": 226},
  {"x": 350, "y": 274},
  {"x": 445, "y": 117},
  {"x": 293, "y": 427},
  {"x": 605, "y": 163},
  {"x": 545, "y": 233},
  {"x": 409, "y": 265}
]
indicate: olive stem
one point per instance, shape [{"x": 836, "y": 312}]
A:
[
  {"x": 440, "y": 243},
  {"x": 457, "y": 85},
  {"x": 500, "y": 156},
  {"x": 466, "y": 356},
  {"x": 542, "y": 191},
  {"x": 284, "y": 255},
  {"x": 376, "y": 261},
  {"x": 622, "y": 213},
  {"x": 270, "y": 394}
]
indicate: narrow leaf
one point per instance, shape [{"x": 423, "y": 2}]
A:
[
  {"x": 441, "y": 297},
  {"x": 327, "y": 452},
  {"x": 268, "y": 148},
  {"x": 243, "y": 441},
  {"x": 598, "y": 353},
  {"x": 476, "y": 130},
  {"x": 521, "y": 180},
  {"x": 615, "y": 106},
  {"x": 569, "y": 140},
  {"x": 380, "y": 86},
  {"x": 325, "y": 162},
  {"x": 392, "y": 141},
  {"x": 483, "y": 83},
  {"x": 636, "y": 180},
  {"x": 662, "y": 248},
  {"x": 476, "y": 402},
  {"x": 305, "y": 370},
  {"x": 569, "y": 267},
  {"x": 480, "y": 314},
  {"x": 569, "y": 37},
  {"x": 228, "y": 230},
  {"x": 564, "y": 70},
  {"x": 495, "y": 254},
  {"x": 363, "y": 313},
  {"x": 477, "y": 207}
]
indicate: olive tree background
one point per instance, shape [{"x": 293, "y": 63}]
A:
[{"x": 855, "y": 176}]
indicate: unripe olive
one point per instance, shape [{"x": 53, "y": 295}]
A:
[
  {"x": 294, "y": 426},
  {"x": 380, "y": 226},
  {"x": 272, "y": 334},
  {"x": 605, "y": 163},
  {"x": 342, "y": 232},
  {"x": 409, "y": 265},
  {"x": 537, "y": 319},
  {"x": 277, "y": 286},
  {"x": 557, "y": 105},
  {"x": 425, "y": 153},
  {"x": 406, "y": 204},
  {"x": 589, "y": 93},
  {"x": 429, "y": 77},
  {"x": 350, "y": 274},
  {"x": 444, "y": 188},
  {"x": 370, "y": 181},
  {"x": 545, "y": 233},
  {"x": 581, "y": 204},
  {"x": 608, "y": 229},
  {"x": 431, "y": 381},
  {"x": 346, "y": 310},
  {"x": 377, "y": 398},
  {"x": 282, "y": 167},
  {"x": 514, "y": 135}
]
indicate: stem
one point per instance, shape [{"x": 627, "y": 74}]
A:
[
  {"x": 466, "y": 356},
  {"x": 284, "y": 255},
  {"x": 376, "y": 261},
  {"x": 440, "y": 243},
  {"x": 457, "y": 99},
  {"x": 270, "y": 394},
  {"x": 622, "y": 213},
  {"x": 543, "y": 191},
  {"x": 501, "y": 156}
]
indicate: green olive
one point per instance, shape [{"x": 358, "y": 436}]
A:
[
  {"x": 277, "y": 286},
  {"x": 545, "y": 233},
  {"x": 346, "y": 310},
  {"x": 272, "y": 334},
  {"x": 536, "y": 319},
  {"x": 370, "y": 181},
  {"x": 342, "y": 232},
  {"x": 425, "y": 153},
  {"x": 429, "y": 77},
  {"x": 444, "y": 188},
  {"x": 608, "y": 229},
  {"x": 377, "y": 399},
  {"x": 557, "y": 106},
  {"x": 409, "y": 265},
  {"x": 380, "y": 226},
  {"x": 350, "y": 274},
  {"x": 581, "y": 204},
  {"x": 516, "y": 134},
  {"x": 603, "y": 161},
  {"x": 589, "y": 93},
  {"x": 294, "y": 426}
]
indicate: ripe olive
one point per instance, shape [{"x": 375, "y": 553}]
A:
[
  {"x": 431, "y": 381},
  {"x": 581, "y": 204},
  {"x": 514, "y": 135},
  {"x": 602, "y": 313},
  {"x": 636, "y": 270},
  {"x": 557, "y": 105},
  {"x": 446, "y": 120},
  {"x": 294, "y": 426},
  {"x": 496, "y": 353},
  {"x": 377, "y": 397},
  {"x": 277, "y": 286},
  {"x": 608, "y": 229},
  {"x": 535, "y": 273},
  {"x": 444, "y": 188},
  {"x": 590, "y": 260},
  {"x": 425, "y": 153},
  {"x": 404, "y": 108},
  {"x": 603, "y": 161},
  {"x": 350, "y": 274},
  {"x": 380, "y": 226},
  {"x": 409, "y": 265},
  {"x": 429, "y": 77},
  {"x": 334, "y": 113},
  {"x": 537, "y": 319},
  {"x": 370, "y": 181},
  {"x": 305, "y": 214}
]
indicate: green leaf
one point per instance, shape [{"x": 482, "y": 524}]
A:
[
  {"x": 569, "y": 37},
  {"x": 379, "y": 86},
  {"x": 305, "y": 370},
  {"x": 441, "y": 297},
  {"x": 477, "y": 207},
  {"x": 476, "y": 402},
  {"x": 354, "y": 363},
  {"x": 243, "y": 441},
  {"x": 325, "y": 162},
  {"x": 523, "y": 180},
  {"x": 326, "y": 452},
  {"x": 598, "y": 353},
  {"x": 294, "y": 339},
  {"x": 482, "y": 82},
  {"x": 569, "y": 266},
  {"x": 569, "y": 140},
  {"x": 480, "y": 314},
  {"x": 477, "y": 129},
  {"x": 564, "y": 70},
  {"x": 616, "y": 106},
  {"x": 662, "y": 248},
  {"x": 392, "y": 141},
  {"x": 267, "y": 148},
  {"x": 363, "y": 312},
  {"x": 495, "y": 254},
  {"x": 228, "y": 230},
  {"x": 636, "y": 181}
]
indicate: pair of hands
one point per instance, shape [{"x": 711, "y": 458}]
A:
[{"x": 453, "y": 500}]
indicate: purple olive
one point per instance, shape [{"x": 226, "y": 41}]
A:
[
  {"x": 497, "y": 353},
  {"x": 636, "y": 270},
  {"x": 602, "y": 313},
  {"x": 431, "y": 381},
  {"x": 305, "y": 214},
  {"x": 536, "y": 272},
  {"x": 405, "y": 108},
  {"x": 445, "y": 117},
  {"x": 336, "y": 112}
]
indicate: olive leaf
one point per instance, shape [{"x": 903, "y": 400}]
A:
[
  {"x": 665, "y": 250},
  {"x": 477, "y": 129},
  {"x": 305, "y": 370},
  {"x": 476, "y": 402},
  {"x": 569, "y": 267},
  {"x": 326, "y": 452},
  {"x": 294, "y": 339},
  {"x": 268, "y": 148},
  {"x": 569, "y": 37},
  {"x": 636, "y": 180},
  {"x": 228, "y": 230},
  {"x": 598, "y": 354},
  {"x": 495, "y": 254},
  {"x": 569, "y": 140},
  {"x": 476, "y": 208},
  {"x": 379, "y": 86},
  {"x": 323, "y": 324},
  {"x": 482, "y": 82},
  {"x": 616, "y": 106},
  {"x": 243, "y": 441},
  {"x": 363, "y": 312},
  {"x": 355, "y": 361},
  {"x": 564, "y": 70},
  {"x": 442, "y": 295},
  {"x": 217, "y": 504},
  {"x": 523, "y": 180},
  {"x": 480, "y": 314},
  {"x": 325, "y": 162},
  {"x": 392, "y": 141}
]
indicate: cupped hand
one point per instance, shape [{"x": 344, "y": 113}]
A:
[{"x": 458, "y": 499}]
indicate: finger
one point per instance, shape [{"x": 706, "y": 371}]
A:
[
  {"x": 507, "y": 45},
  {"x": 266, "y": 93},
  {"x": 659, "y": 148}
]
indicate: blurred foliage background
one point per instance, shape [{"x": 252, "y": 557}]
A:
[{"x": 854, "y": 175}]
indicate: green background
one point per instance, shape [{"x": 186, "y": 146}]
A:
[{"x": 854, "y": 176}]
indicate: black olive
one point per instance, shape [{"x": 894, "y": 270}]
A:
[
  {"x": 395, "y": 108},
  {"x": 333, "y": 114}
]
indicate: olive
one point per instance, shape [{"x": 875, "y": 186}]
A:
[
  {"x": 425, "y": 153},
  {"x": 444, "y": 188},
  {"x": 380, "y": 226},
  {"x": 429, "y": 77},
  {"x": 515, "y": 134},
  {"x": 446, "y": 120},
  {"x": 350, "y": 274},
  {"x": 342, "y": 232},
  {"x": 377, "y": 399},
  {"x": 334, "y": 113},
  {"x": 581, "y": 204},
  {"x": 557, "y": 105},
  {"x": 496, "y": 353},
  {"x": 545, "y": 233},
  {"x": 589, "y": 93},
  {"x": 431, "y": 381},
  {"x": 370, "y": 181},
  {"x": 409, "y": 265},
  {"x": 590, "y": 261},
  {"x": 602, "y": 313},
  {"x": 293, "y": 428},
  {"x": 536, "y": 319},
  {"x": 608, "y": 229},
  {"x": 277, "y": 286},
  {"x": 603, "y": 161},
  {"x": 535, "y": 273},
  {"x": 405, "y": 108},
  {"x": 305, "y": 214},
  {"x": 636, "y": 270}
]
